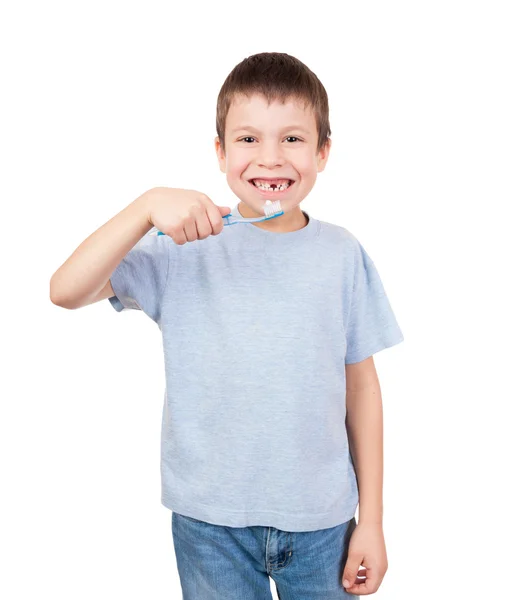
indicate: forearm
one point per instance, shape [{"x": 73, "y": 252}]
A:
[
  {"x": 90, "y": 266},
  {"x": 364, "y": 423}
]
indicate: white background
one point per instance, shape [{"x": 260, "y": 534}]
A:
[{"x": 103, "y": 100}]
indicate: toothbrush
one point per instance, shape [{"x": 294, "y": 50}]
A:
[{"x": 271, "y": 210}]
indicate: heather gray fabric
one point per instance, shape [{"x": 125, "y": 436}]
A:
[{"x": 257, "y": 328}]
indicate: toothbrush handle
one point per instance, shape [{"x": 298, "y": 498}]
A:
[
  {"x": 227, "y": 222},
  {"x": 234, "y": 220}
]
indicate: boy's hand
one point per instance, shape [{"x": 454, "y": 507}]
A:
[
  {"x": 366, "y": 548},
  {"x": 185, "y": 215}
]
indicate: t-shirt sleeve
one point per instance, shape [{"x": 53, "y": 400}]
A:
[
  {"x": 371, "y": 325},
  {"x": 139, "y": 281}
]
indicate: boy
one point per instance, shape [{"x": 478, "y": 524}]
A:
[{"x": 272, "y": 418}]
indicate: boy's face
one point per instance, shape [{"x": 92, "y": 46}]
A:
[{"x": 270, "y": 142}]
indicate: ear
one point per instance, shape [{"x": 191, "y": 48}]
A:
[
  {"x": 220, "y": 155},
  {"x": 323, "y": 156}
]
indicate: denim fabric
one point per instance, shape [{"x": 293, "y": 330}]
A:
[{"x": 217, "y": 562}]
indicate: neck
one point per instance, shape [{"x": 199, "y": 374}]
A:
[{"x": 289, "y": 221}]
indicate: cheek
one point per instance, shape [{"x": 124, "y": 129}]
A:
[
  {"x": 236, "y": 165},
  {"x": 234, "y": 174},
  {"x": 307, "y": 166}
]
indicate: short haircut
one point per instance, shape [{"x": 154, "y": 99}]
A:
[{"x": 277, "y": 76}]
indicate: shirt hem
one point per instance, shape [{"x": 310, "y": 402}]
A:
[
  {"x": 362, "y": 355},
  {"x": 238, "y": 518}
]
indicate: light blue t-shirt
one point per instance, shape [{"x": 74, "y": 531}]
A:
[{"x": 257, "y": 327}]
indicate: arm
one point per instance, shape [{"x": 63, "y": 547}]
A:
[
  {"x": 85, "y": 276},
  {"x": 364, "y": 423},
  {"x": 367, "y": 563}
]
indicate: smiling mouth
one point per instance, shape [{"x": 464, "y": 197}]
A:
[{"x": 272, "y": 186}]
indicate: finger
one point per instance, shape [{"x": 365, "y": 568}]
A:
[
  {"x": 366, "y": 585},
  {"x": 215, "y": 215},
  {"x": 215, "y": 218},
  {"x": 358, "y": 590},
  {"x": 177, "y": 234},
  {"x": 362, "y": 589},
  {"x": 190, "y": 229},
  {"x": 203, "y": 226},
  {"x": 351, "y": 569}
]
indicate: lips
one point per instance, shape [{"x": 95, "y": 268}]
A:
[
  {"x": 272, "y": 192},
  {"x": 272, "y": 180}
]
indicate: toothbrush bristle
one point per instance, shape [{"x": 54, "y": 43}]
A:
[{"x": 272, "y": 208}]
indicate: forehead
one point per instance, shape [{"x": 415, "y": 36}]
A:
[{"x": 256, "y": 111}]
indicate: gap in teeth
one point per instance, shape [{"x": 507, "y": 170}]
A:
[{"x": 268, "y": 186}]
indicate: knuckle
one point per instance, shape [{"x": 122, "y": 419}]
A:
[
  {"x": 216, "y": 219},
  {"x": 205, "y": 232},
  {"x": 176, "y": 235}
]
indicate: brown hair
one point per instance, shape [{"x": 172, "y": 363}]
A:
[{"x": 277, "y": 76}]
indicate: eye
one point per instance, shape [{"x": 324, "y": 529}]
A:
[{"x": 287, "y": 138}]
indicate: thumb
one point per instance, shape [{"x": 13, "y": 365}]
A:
[
  {"x": 351, "y": 570},
  {"x": 224, "y": 210}
]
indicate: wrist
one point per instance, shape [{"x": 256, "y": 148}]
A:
[
  {"x": 371, "y": 522},
  {"x": 145, "y": 203},
  {"x": 370, "y": 513}
]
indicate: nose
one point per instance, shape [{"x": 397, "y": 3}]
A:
[{"x": 270, "y": 155}]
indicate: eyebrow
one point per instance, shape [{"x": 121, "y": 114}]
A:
[{"x": 290, "y": 127}]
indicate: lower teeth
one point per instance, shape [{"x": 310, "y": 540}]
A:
[{"x": 270, "y": 189}]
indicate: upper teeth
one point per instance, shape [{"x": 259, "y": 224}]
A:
[{"x": 266, "y": 185}]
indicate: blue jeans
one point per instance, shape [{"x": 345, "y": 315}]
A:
[{"x": 217, "y": 562}]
